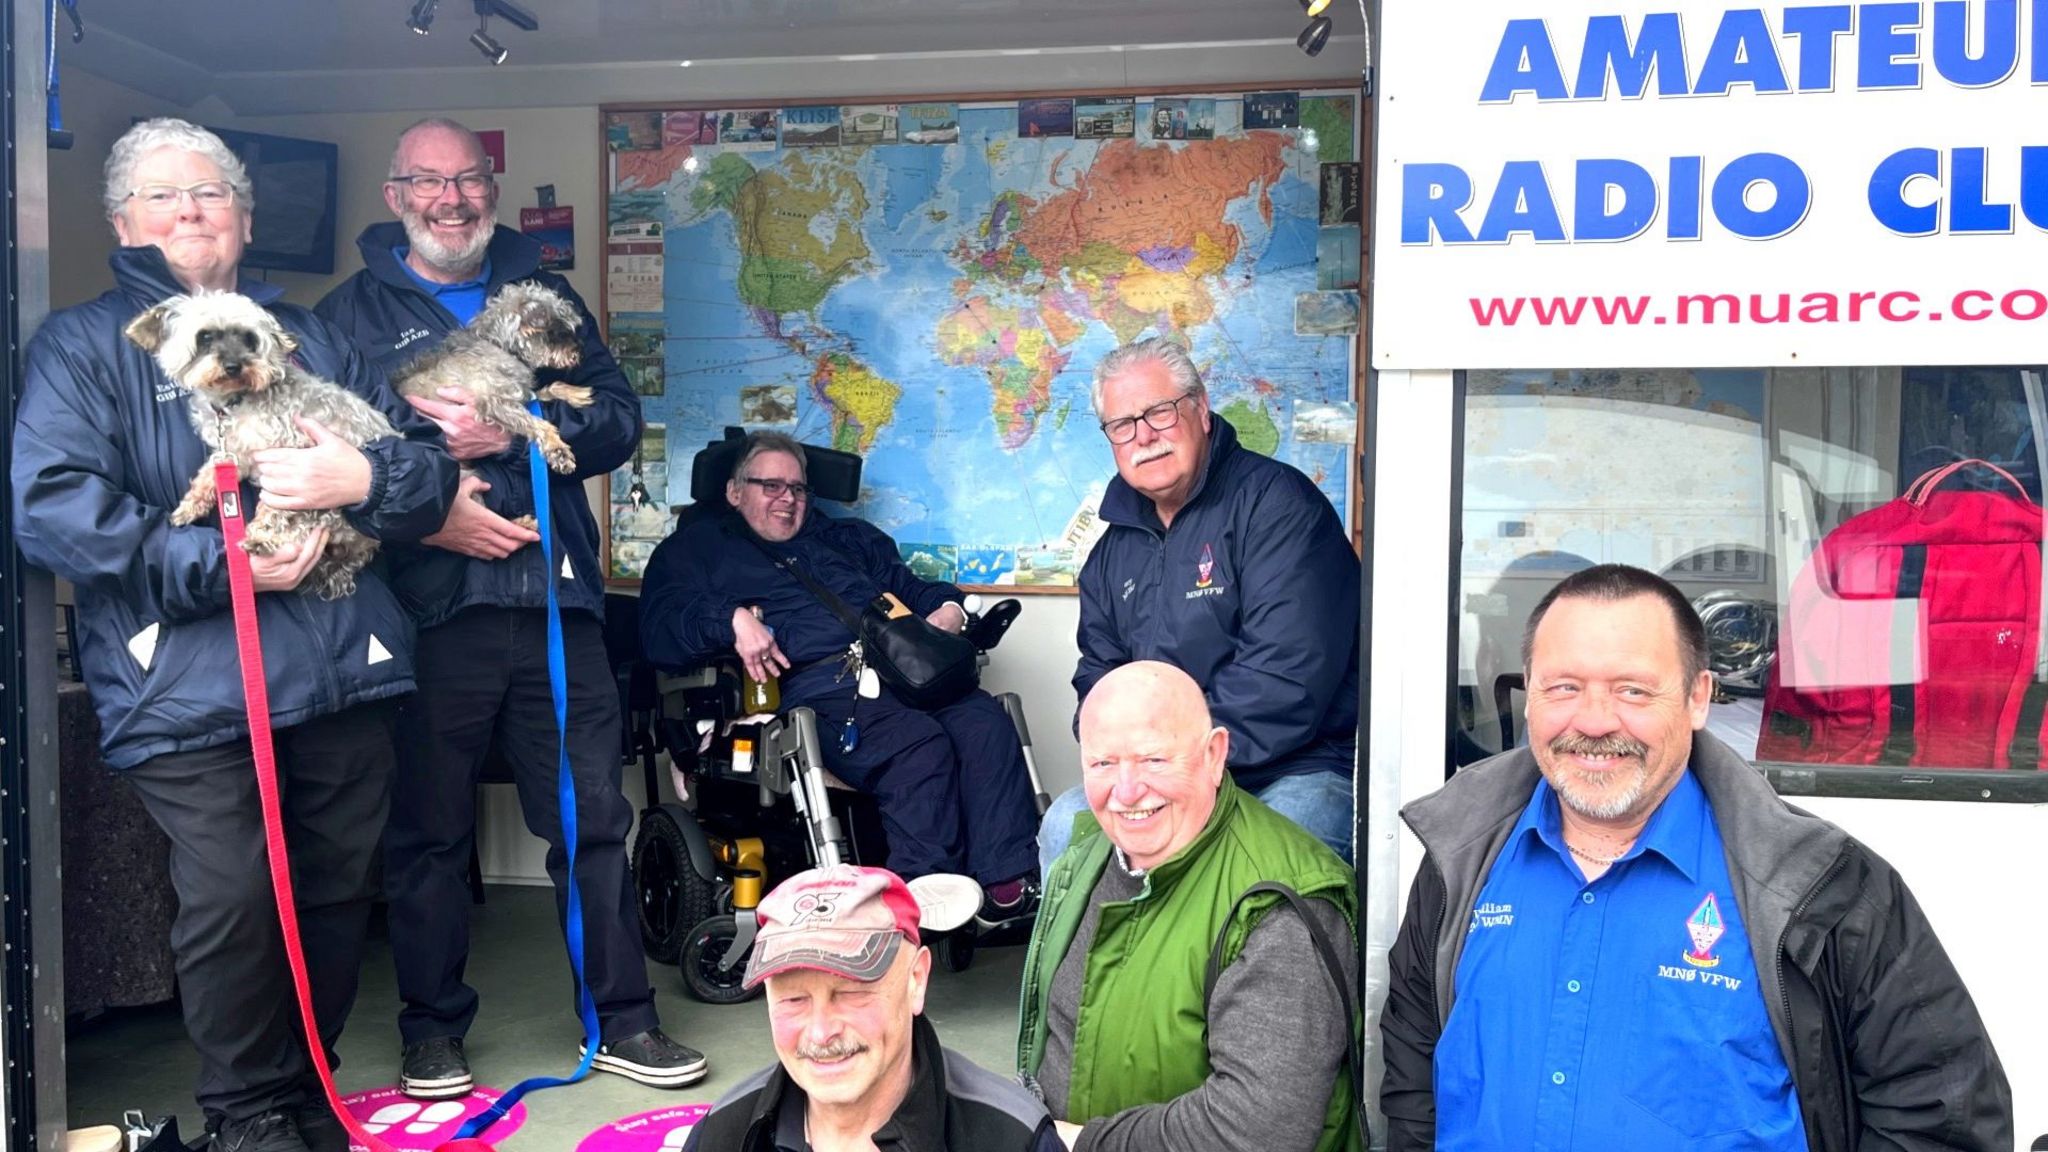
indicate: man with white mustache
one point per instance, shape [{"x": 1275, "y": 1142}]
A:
[
  {"x": 1620, "y": 936},
  {"x": 858, "y": 1065},
  {"x": 1122, "y": 1034},
  {"x": 1234, "y": 568}
]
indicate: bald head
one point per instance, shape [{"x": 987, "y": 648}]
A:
[
  {"x": 443, "y": 192},
  {"x": 1151, "y": 760}
]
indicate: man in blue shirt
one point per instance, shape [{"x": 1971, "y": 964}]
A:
[
  {"x": 478, "y": 593},
  {"x": 1621, "y": 938}
]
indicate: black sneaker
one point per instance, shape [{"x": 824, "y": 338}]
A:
[
  {"x": 996, "y": 913},
  {"x": 319, "y": 1128},
  {"x": 273, "y": 1131},
  {"x": 651, "y": 1058},
  {"x": 435, "y": 1069}
]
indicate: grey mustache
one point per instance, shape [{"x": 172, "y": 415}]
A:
[{"x": 1571, "y": 744}]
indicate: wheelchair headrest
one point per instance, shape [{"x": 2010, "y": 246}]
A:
[{"x": 832, "y": 474}]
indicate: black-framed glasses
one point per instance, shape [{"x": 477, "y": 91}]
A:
[
  {"x": 429, "y": 186},
  {"x": 1160, "y": 417},
  {"x": 777, "y": 489},
  {"x": 209, "y": 195}
]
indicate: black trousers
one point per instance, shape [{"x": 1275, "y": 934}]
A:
[
  {"x": 334, "y": 778},
  {"x": 951, "y": 784},
  {"x": 483, "y": 681}
]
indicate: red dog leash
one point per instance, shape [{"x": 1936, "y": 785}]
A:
[{"x": 256, "y": 693}]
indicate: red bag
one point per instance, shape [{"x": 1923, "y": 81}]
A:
[{"x": 1912, "y": 636}]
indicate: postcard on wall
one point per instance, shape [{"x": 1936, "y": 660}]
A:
[
  {"x": 632, "y": 131},
  {"x": 1272, "y": 110},
  {"x": 635, "y": 217},
  {"x": 1201, "y": 119},
  {"x": 928, "y": 123},
  {"x": 1340, "y": 194},
  {"x": 555, "y": 228},
  {"x": 1325, "y": 423},
  {"x": 633, "y": 281},
  {"x": 867, "y": 124},
  {"x": 636, "y": 334},
  {"x": 811, "y": 126},
  {"x": 1111, "y": 118},
  {"x": 768, "y": 405},
  {"x": 1325, "y": 313},
  {"x": 1168, "y": 120},
  {"x": 748, "y": 129},
  {"x": 1045, "y": 116},
  {"x": 692, "y": 127},
  {"x": 493, "y": 140},
  {"x": 647, "y": 374},
  {"x": 1337, "y": 256},
  {"x": 640, "y": 516}
]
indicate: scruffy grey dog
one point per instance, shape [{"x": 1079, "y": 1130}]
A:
[
  {"x": 525, "y": 327},
  {"x": 235, "y": 360}
]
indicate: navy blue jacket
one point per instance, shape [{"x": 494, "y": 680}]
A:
[
  {"x": 394, "y": 320},
  {"x": 1253, "y": 592},
  {"x": 103, "y": 450},
  {"x": 699, "y": 575}
]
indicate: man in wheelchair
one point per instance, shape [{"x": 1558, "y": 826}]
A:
[{"x": 951, "y": 784}]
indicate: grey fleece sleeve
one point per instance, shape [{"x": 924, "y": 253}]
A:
[{"x": 1277, "y": 1037}]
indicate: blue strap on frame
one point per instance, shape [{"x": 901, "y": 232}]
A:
[{"x": 565, "y": 789}]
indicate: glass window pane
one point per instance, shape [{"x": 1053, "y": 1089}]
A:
[{"x": 1863, "y": 544}]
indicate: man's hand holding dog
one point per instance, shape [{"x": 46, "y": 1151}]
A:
[
  {"x": 474, "y": 530},
  {"x": 281, "y": 571},
  {"x": 455, "y": 412},
  {"x": 330, "y": 473},
  {"x": 755, "y": 643}
]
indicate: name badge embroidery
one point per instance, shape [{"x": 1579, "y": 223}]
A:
[{"x": 1491, "y": 915}]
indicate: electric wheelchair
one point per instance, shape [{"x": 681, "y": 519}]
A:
[{"x": 758, "y": 802}]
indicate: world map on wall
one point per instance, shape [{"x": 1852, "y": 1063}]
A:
[{"x": 940, "y": 309}]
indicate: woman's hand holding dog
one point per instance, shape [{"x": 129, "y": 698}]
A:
[
  {"x": 474, "y": 530},
  {"x": 455, "y": 412},
  {"x": 331, "y": 473},
  {"x": 281, "y": 571},
  {"x": 755, "y": 643}
]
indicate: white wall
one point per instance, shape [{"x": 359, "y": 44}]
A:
[{"x": 96, "y": 112}]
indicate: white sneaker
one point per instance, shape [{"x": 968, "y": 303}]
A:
[{"x": 945, "y": 900}]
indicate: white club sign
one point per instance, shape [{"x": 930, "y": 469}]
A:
[{"x": 1572, "y": 184}]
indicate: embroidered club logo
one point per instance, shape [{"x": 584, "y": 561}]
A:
[
  {"x": 1705, "y": 927},
  {"x": 1205, "y": 567}
]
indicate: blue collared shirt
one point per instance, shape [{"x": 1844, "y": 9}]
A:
[
  {"x": 1624, "y": 1013},
  {"x": 464, "y": 300}
]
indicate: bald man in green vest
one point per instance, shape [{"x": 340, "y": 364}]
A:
[{"x": 1123, "y": 1034}]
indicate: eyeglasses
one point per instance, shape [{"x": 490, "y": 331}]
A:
[
  {"x": 777, "y": 489},
  {"x": 1160, "y": 417},
  {"x": 209, "y": 195},
  {"x": 428, "y": 186}
]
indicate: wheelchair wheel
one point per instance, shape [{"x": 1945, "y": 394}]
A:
[
  {"x": 673, "y": 897},
  {"x": 955, "y": 950},
  {"x": 705, "y": 947}
]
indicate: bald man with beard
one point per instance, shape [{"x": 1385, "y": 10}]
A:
[
  {"x": 478, "y": 592},
  {"x": 1128, "y": 1048}
]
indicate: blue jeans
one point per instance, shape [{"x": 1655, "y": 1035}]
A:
[{"x": 1318, "y": 801}]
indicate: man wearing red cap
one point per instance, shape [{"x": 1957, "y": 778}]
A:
[{"x": 859, "y": 1067}]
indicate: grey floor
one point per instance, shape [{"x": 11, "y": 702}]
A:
[{"x": 140, "y": 1058}]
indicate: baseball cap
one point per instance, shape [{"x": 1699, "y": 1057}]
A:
[{"x": 845, "y": 920}]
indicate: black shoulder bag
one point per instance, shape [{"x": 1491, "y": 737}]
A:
[
  {"x": 1354, "y": 1058},
  {"x": 925, "y": 667}
]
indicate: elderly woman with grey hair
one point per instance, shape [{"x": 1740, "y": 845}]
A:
[{"x": 102, "y": 450}]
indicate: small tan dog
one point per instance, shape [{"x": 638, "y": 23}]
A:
[
  {"x": 247, "y": 395},
  {"x": 524, "y": 328}
]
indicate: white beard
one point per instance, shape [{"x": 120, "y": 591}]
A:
[{"x": 454, "y": 261}]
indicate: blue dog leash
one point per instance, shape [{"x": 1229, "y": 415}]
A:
[{"x": 565, "y": 790}]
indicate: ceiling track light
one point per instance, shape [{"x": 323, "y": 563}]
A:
[
  {"x": 1314, "y": 36},
  {"x": 492, "y": 50},
  {"x": 422, "y": 18},
  {"x": 1314, "y": 7}
]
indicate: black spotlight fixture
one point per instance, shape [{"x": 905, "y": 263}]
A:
[
  {"x": 486, "y": 44},
  {"x": 1314, "y": 36},
  {"x": 509, "y": 12},
  {"x": 422, "y": 18}
]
